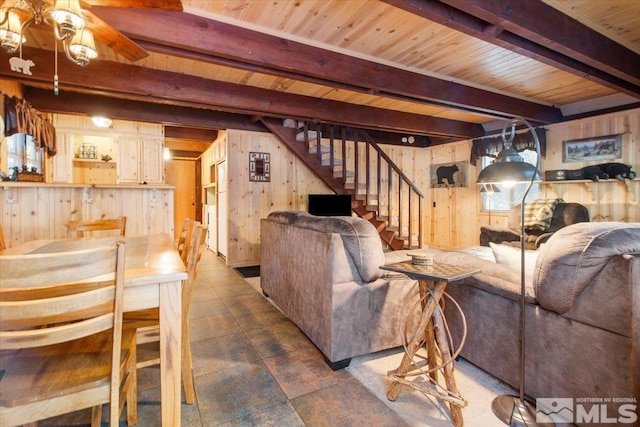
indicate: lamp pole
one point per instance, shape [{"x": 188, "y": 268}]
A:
[{"x": 515, "y": 410}]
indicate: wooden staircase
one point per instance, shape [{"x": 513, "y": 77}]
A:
[{"x": 350, "y": 162}]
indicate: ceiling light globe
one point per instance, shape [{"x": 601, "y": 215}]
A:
[{"x": 101, "y": 121}]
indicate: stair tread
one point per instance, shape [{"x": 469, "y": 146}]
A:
[{"x": 369, "y": 205}]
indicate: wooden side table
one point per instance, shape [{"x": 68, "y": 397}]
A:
[{"x": 431, "y": 334}]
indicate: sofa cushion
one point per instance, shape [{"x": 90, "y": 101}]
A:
[
  {"x": 493, "y": 278},
  {"x": 509, "y": 256},
  {"x": 574, "y": 255},
  {"x": 360, "y": 238},
  {"x": 538, "y": 213}
]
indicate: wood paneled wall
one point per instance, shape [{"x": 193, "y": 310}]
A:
[
  {"x": 41, "y": 211},
  {"x": 291, "y": 182},
  {"x": 453, "y": 216},
  {"x": 609, "y": 200}
]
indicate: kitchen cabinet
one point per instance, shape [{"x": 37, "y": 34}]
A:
[{"x": 140, "y": 160}]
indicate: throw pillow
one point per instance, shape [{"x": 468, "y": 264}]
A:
[{"x": 509, "y": 256}]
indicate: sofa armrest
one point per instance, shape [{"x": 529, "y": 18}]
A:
[{"x": 542, "y": 239}]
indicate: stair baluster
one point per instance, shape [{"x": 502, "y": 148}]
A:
[{"x": 341, "y": 169}]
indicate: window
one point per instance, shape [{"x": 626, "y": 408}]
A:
[
  {"x": 22, "y": 151},
  {"x": 509, "y": 195}
]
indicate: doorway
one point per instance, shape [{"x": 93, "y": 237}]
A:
[{"x": 181, "y": 174}]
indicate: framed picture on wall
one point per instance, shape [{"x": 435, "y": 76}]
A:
[
  {"x": 446, "y": 175},
  {"x": 259, "y": 167},
  {"x": 607, "y": 147}
]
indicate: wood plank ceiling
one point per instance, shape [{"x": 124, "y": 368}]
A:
[{"x": 447, "y": 70}]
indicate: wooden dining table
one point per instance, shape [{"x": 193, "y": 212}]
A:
[{"x": 153, "y": 278}]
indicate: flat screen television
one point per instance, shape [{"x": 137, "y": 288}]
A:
[{"x": 330, "y": 204}]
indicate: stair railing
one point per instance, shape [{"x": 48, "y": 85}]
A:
[{"x": 388, "y": 192}]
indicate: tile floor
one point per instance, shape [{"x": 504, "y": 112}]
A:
[{"x": 252, "y": 366}]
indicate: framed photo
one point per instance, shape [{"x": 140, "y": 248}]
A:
[
  {"x": 607, "y": 147},
  {"x": 447, "y": 175},
  {"x": 259, "y": 167}
]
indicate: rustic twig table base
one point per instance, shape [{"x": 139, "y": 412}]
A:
[{"x": 430, "y": 334}]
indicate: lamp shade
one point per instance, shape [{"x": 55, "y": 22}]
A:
[
  {"x": 83, "y": 47},
  {"x": 10, "y": 31},
  {"x": 68, "y": 13},
  {"x": 509, "y": 172},
  {"x": 509, "y": 167}
]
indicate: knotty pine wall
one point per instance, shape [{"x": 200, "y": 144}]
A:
[
  {"x": 290, "y": 183},
  {"x": 40, "y": 211},
  {"x": 610, "y": 200},
  {"x": 452, "y": 217}
]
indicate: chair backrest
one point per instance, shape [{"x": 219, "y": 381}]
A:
[
  {"x": 58, "y": 297},
  {"x": 568, "y": 214},
  {"x": 193, "y": 258},
  {"x": 564, "y": 214},
  {"x": 184, "y": 239},
  {"x": 79, "y": 227}
]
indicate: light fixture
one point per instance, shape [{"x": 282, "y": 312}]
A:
[
  {"x": 68, "y": 15},
  {"x": 510, "y": 166},
  {"x": 82, "y": 48},
  {"x": 65, "y": 17},
  {"x": 101, "y": 121},
  {"x": 10, "y": 30}
]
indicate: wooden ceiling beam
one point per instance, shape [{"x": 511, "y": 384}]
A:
[
  {"x": 139, "y": 83},
  {"x": 181, "y": 123},
  {"x": 181, "y": 132},
  {"x": 189, "y": 34},
  {"x": 536, "y": 30},
  {"x": 546, "y": 26},
  {"x": 195, "y": 119}
]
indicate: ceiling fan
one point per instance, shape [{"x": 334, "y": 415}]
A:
[{"x": 74, "y": 25}]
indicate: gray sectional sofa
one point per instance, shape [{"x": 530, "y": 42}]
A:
[
  {"x": 323, "y": 273},
  {"x": 582, "y": 314},
  {"x": 582, "y": 301}
]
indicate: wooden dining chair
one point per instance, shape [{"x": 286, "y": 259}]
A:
[
  {"x": 62, "y": 315},
  {"x": 146, "y": 322},
  {"x": 185, "y": 238},
  {"x": 82, "y": 226}
]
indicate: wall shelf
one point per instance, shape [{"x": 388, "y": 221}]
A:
[
  {"x": 76, "y": 160},
  {"x": 589, "y": 181}
]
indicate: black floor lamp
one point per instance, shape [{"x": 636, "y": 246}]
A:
[{"x": 511, "y": 167}]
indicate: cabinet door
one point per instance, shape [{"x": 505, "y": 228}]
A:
[
  {"x": 129, "y": 160},
  {"x": 152, "y": 160},
  {"x": 61, "y": 163}
]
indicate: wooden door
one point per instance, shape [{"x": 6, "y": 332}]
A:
[{"x": 182, "y": 175}]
